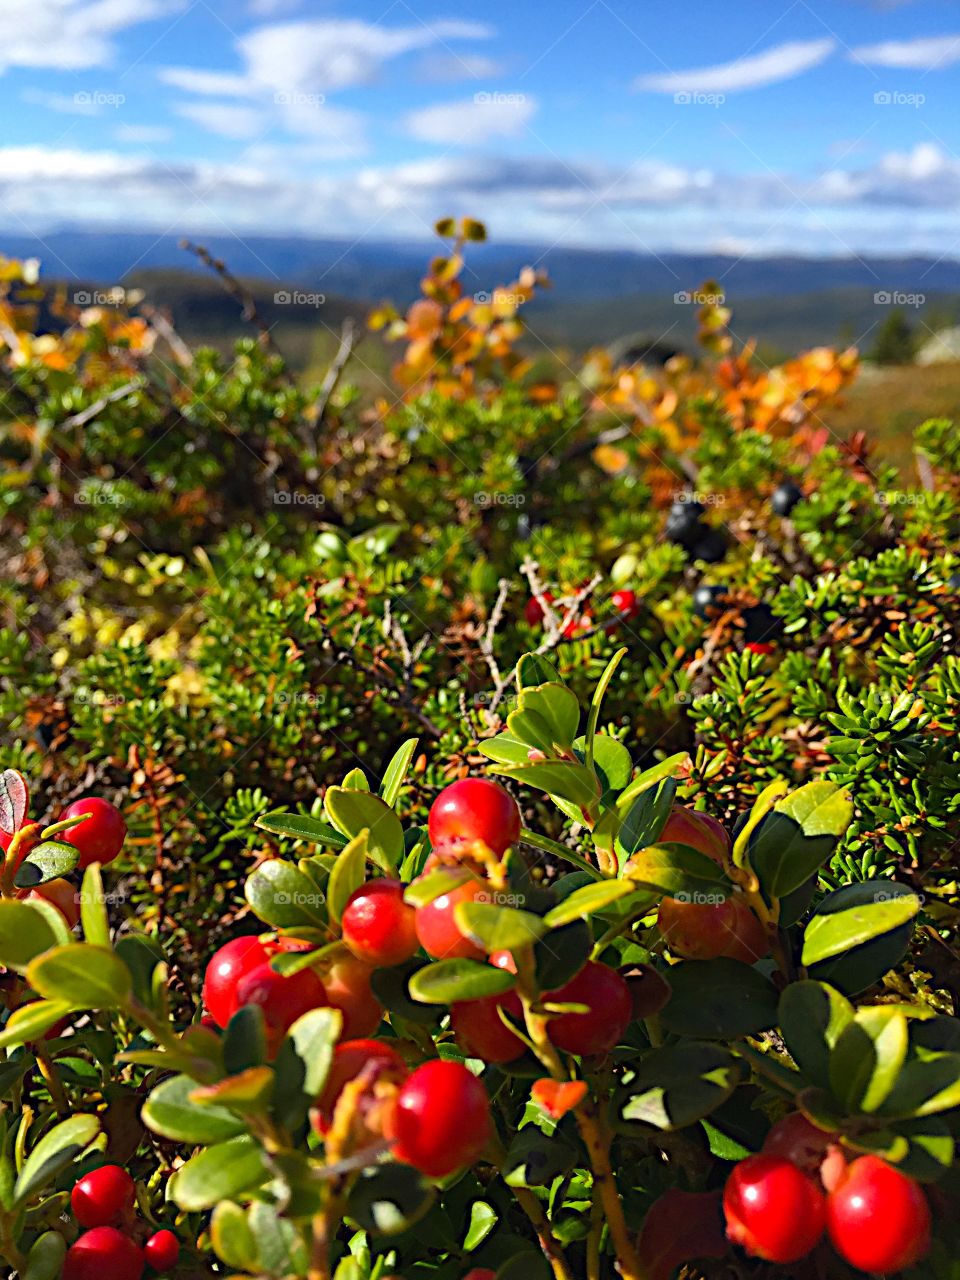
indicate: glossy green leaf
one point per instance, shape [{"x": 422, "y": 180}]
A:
[
  {"x": 233, "y": 1240},
  {"x": 505, "y": 748},
  {"x": 678, "y": 1085},
  {"x": 283, "y": 896},
  {"x": 348, "y": 874},
  {"x": 588, "y": 901},
  {"x": 445, "y": 981},
  {"x": 280, "y": 1247},
  {"x": 31, "y": 1021},
  {"x": 546, "y": 717},
  {"x": 392, "y": 989},
  {"x": 867, "y": 1057},
  {"x": 646, "y": 817},
  {"x": 301, "y": 827},
  {"x": 833, "y": 932},
  {"x": 763, "y": 804},
  {"x": 389, "y": 1199},
  {"x": 170, "y": 1112},
  {"x": 45, "y": 1259},
  {"x": 924, "y": 1086},
  {"x": 47, "y": 861},
  {"x": 93, "y": 907},
  {"x": 812, "y": 1016},
  {"x": 799, "y": 835},
  {"x": 718, "y": 1000},
  {"x": 354, "y": 811},
  {"x": 534, "y": 669},
  {"x": 649, "y": 778},
  {"x": 220, "y": 1172},
  {"x": 611, "y": 761},
  {"x": 396, "y": 771},
  {"x": 676, "y": 869},
  {"x": 25, "y": 933},
  {"x": 83, "y": 976},
  {"x": 566, "y": 779},
  {"x": 497, "y": 928},
  {"x": 303, "y": 1063},
  {"x": 244, "y": 1040},
  {"x": 59, "y": 1148}
]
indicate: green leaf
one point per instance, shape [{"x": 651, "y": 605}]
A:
[
  {"x": 47, "y": 861},
  {"x": 718, "y": 1000},
  {"x": 446, "y": 981},
  {"x": 143, "y": 956},
  {"x": 244, "y": 1040},
  {"x": 56, "y": 1151},
  {"x": 832, "y": 932},
  {"x": 612, "y": 764},
  {"x": 93, "y": 907},
  {"x": 675, "y": 870},
  {"x": 31, "y": 1021},
  {"x": 562, "y": 953},
  {"x": 566, "y": 779},
  {"x": 233, "y": 1240},
  {"x": 356, "y": 780},
  {"x": 559, "y": 851},
  {"x": 392, "y": 988},
  {"x": 353, "y": 811},
  {"x": 483, "y": 1218},
  {"x": 221, "y": 1172},
  {"x": 283, "y": 896},
  {"x": 812, "y": 1018},
  {"x": 396, "y": 771},
  {"x": 534, "y": 669},
  {"x": 867, "y": 1058},
  {"x": 547, "y": 717},
  {"x": 301, "y": 827},
  {"x": 925, "y": 1086},
  {"x": 505, "y": 748},
  {"x": 280, "y": 1248},
  {"x": 497, "y": 928},
  {"x": 169, "y": 1112},
  {"x": 798, "y": 836},
  {"x": 593, "y": 717},
  {"x": 678, "y": 1085},
  {"x": 303, "y": 1063},
  {"x": 588, "y": 901},
  {"x": 83, "y": 976},
  {"x": 535, "y": 1159},
  {"x": 764, "y": 802},
  {"x": 649, "y": 778},
  {"x": 646, "y": 817},
  {"x": 46, "y": 1256},
  {"x": 25, "y": 933},
  {"x": 389, "y": 1199},
  {"x": 348, "y": 874}
]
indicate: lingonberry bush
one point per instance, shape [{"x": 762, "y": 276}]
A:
[{"x": 535, "y": 853}]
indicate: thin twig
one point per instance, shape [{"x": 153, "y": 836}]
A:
[
  {"x": 236, "y": 290},
  {"x": 348, "y": 338}
]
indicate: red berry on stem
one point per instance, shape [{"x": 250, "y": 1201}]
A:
[
  {"x": 227, "y": 966},
  {"x": 377, "y": 1058},
  {"x": 798, "y": 1139},
  {"x": 625, "y": 602},
  {"x": 475, "y": 809},
  {"x": 610, "y": 1006},
  {"x": 103, "y": 1254},
  {"x": 878, "y": 1219},
  {"x": 162, "y": 1250},
  {"x": 480, "y": 1273},
  {"x": 101, "y": 834},
  {"x": 283, "y": 999},
  {"x": 103, "y": 1196},
  {"x": 704, "y": 931},
  {"x": 378, "y": 926},
  {"x": 699, "y": 830},
  {"x": 437, "y": 929},
  {"x": 481, "y": 1032},
  {"x": 61, "y": 894},
  {"x": 773, "y": 1211},
  {"x": 347, "y": 986},
  {"x": 442, "y": 1119}
]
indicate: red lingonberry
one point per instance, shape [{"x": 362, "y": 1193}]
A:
[
  {"x": 533, "y": 611},
  {"x": 103, "y": 1196},
  {"x": 625, "y": 602},
  {"x": 704, "y": 931},
  {"x": 878, "y": 1219},
  {"x": 798, "y": 1139},
  {"x": 773, "y": 1210},
  {"x": 610, "y": 1007},
  {"x": 760, "y": 646},
  {"x": 698, "y": 830},
  {"x": 162, "y": 1250},
  {"x": 442, "y": 1119},
  {"x": 481, "y": 1032},
  {"x": 436, "y": 928},
  {"x": 227, "y": 966},
  {"x": 378, "y": 926},
  {"x": 101, "y": 1253},
  {"x": 347, "y": 986},
  {"x": 377, "y": 1059},
  {"x": 101, "y": 834},
  {"x": 475, "y": 809},
  {"x": 480, "y": 1273},
  {"x": 283, "y": 999},
  {"x": 573, "y": 626},
  {"x": 61, "y": 894}
]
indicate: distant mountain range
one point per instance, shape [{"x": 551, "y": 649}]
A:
[{"x": 370, "y": 269}]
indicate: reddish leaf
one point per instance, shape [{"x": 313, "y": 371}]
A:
[
  {"x": 558, "y": 1098},
  {"x": 14, "y": 797},
  {"x": 680, "y": 1226}
]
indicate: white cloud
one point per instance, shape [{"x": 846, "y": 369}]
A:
[
  {"x": 751, "y": 72},
  {"x": 443, "y": 68},
  {"x": 228, "y": 119},
  {"x": 214, "y": 83},
  {"x": 474, "y": 120},
  {"x": 69, "y": 104},
  {"x": 143, "y": 133},
  {"x": 70, "y": 34},
  {"x": 927, "y": 53}
]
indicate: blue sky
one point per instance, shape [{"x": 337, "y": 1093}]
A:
[{"x": 828, "y": 127}]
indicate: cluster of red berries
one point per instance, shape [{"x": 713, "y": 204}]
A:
[
  {"x": 98, "y": 838},
  {"x": 103, "y": 1203},
  {"x": 778, "y": 1204},
  {"x": 701, "y": 929},
  {"x": 624, "y": 601}
]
